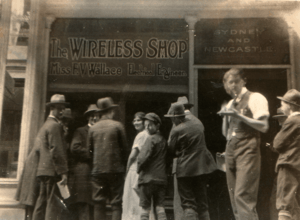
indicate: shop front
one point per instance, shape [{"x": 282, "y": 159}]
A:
[{"x": 145, "y": 56}]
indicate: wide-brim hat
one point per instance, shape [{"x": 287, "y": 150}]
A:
[
  {"x": 57, "y": 99},
  {"x": 292, "y": 97},
  {"x": 105, "y": 104},
  {"x": 183, "y": 100},
  {"x": 152, "y": 117},
  {"x": 67, "y": 113},
  {"x": 280, "y": 114},
  {"x": 92, "y": 108},
  {"x": 176, "y": 110}
]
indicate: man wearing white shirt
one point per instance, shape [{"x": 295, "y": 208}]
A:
[{"x": 245, "y": 116}]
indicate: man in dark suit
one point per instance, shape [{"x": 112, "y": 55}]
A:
[
  {"x": 52, "y": 164},
  {"x": 107, "y": 141},
  {"x": 178, "y": 211},
  {"x": 187, "y": 143},
  {"x": 287, "y": 144},
  {"x": 80, "y": 169}
]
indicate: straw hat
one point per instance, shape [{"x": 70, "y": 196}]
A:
[{"x": 57, "y": 99}]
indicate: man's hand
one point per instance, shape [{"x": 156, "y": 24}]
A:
[
  {"x": 230, "y": 112},
  {"x": 64, "y": 179}
]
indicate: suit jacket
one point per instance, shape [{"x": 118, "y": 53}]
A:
[
  {"x": 287, "y": 143},
  {"x": 52, "y": 149},
  {"x": 79, "y": 180},
  {"x": 187, "y": 142},
  {"x": 107, "y": 141},
  {"x": 151, "y": 161}
]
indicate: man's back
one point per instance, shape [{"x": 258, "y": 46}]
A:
[
  {"x": 107, "y": 140},
  {"x": 53, "y": 155},
  {"x": 188, "y": 142}
]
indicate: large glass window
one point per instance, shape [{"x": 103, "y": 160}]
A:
[{"x": 13, "y": 84}]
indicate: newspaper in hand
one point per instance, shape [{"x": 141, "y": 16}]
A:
[{"x": 64, "y": 190}]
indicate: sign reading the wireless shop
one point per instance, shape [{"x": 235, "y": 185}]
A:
[
  {"x": 242, "y": 41},
  {"x": 116, "y": 50}
]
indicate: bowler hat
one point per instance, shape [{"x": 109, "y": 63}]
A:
[
  {"x": 91, "y": 108},
  {"x": 57, "y": 99},
  {"x": 67, "y": 113},
  {"x": 152, "y": 117},
  {"x": 292, "y": 97},
  {"x": 176, "y": 110},
  {"x": 105, "y": 104},
  {"x": 183, "y": 100},
  {"x": 279, "y": 114}
]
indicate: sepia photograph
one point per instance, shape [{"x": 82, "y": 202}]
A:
[{"x": 150, "y": 110}]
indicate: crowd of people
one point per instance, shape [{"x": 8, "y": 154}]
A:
[{"x": 100, "y": 170}]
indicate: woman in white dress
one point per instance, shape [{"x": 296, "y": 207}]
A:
[{"x": 131, "y": 200}]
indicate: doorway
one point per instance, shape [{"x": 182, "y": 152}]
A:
[{"x": 211, "y": 94}]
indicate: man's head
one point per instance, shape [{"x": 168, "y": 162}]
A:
[
  {"x": 290, "y": 102},
  {"x": 57, "y": 110},
  {"x": 106, "y": 107},
  {"x": 234, "y": 80},
  {"x": 152, "y": 123},
  {"x": 176, "y": 113},
  {"x": 92, "y": 114},
  {"x": 57, "y": 105}
]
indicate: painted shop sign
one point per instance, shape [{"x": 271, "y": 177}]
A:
[
  {"x": 242, "y": 41},
  {"x": 103, "y": 57}
]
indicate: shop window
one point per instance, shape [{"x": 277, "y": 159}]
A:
[{"x": 11, "y": 127}]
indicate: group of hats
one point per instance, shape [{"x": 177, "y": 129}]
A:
[{"x": 103, "y": 104}]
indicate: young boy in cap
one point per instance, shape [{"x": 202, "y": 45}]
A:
[
  {"x": 151, "y": 166},
  {"x": 287, "y": 144}
]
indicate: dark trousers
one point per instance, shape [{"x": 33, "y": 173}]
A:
[
  {"x": 48, "y": 206},
  {"x": 152, "y": 192},
  {"x": 81, "y": 211},
  {"x": 108, "y": 186},
  {"x": 193, "y": 195},
  {"x": 243, "y": 173},
  {"x": 288, "y": 185}
]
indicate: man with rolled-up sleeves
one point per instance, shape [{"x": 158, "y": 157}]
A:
[{"x": 245, "y": 116}]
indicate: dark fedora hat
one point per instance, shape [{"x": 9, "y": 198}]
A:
[
  {"x": 279, "y": 114},
  {"x": 176, "y": 110},
  {"x": 152, "y": 117},
  {"x": 183, "y": 100},
  {"x": 57, "y": 99},
  {"x": 105, "y": 104},
  {"x": 91, "y": 108},
  {"x": 292, "y": 97}
]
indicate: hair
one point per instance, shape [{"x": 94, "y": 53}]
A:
[
  {"x": 140, "y": 115},
  {"x": 234, "y": 72}
]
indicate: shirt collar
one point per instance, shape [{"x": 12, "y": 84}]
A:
[
  {"x": 186, "y": 111},
  {"x": 56, "y": 119},
  {"x": 294, "y": 114}
]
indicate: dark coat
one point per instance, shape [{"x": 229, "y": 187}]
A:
[
  {"x": 107, "y": 141},
  {"x": 151, "y": 161},
  {"x": 47, "y": 158},
  {"x": 187, "y": 142},
  {"x": 287, "y": 143},
  {"x": 28, "y": 187},
  {"x": 52, "y": 149},
  {"x": 79, "y": 180}
]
